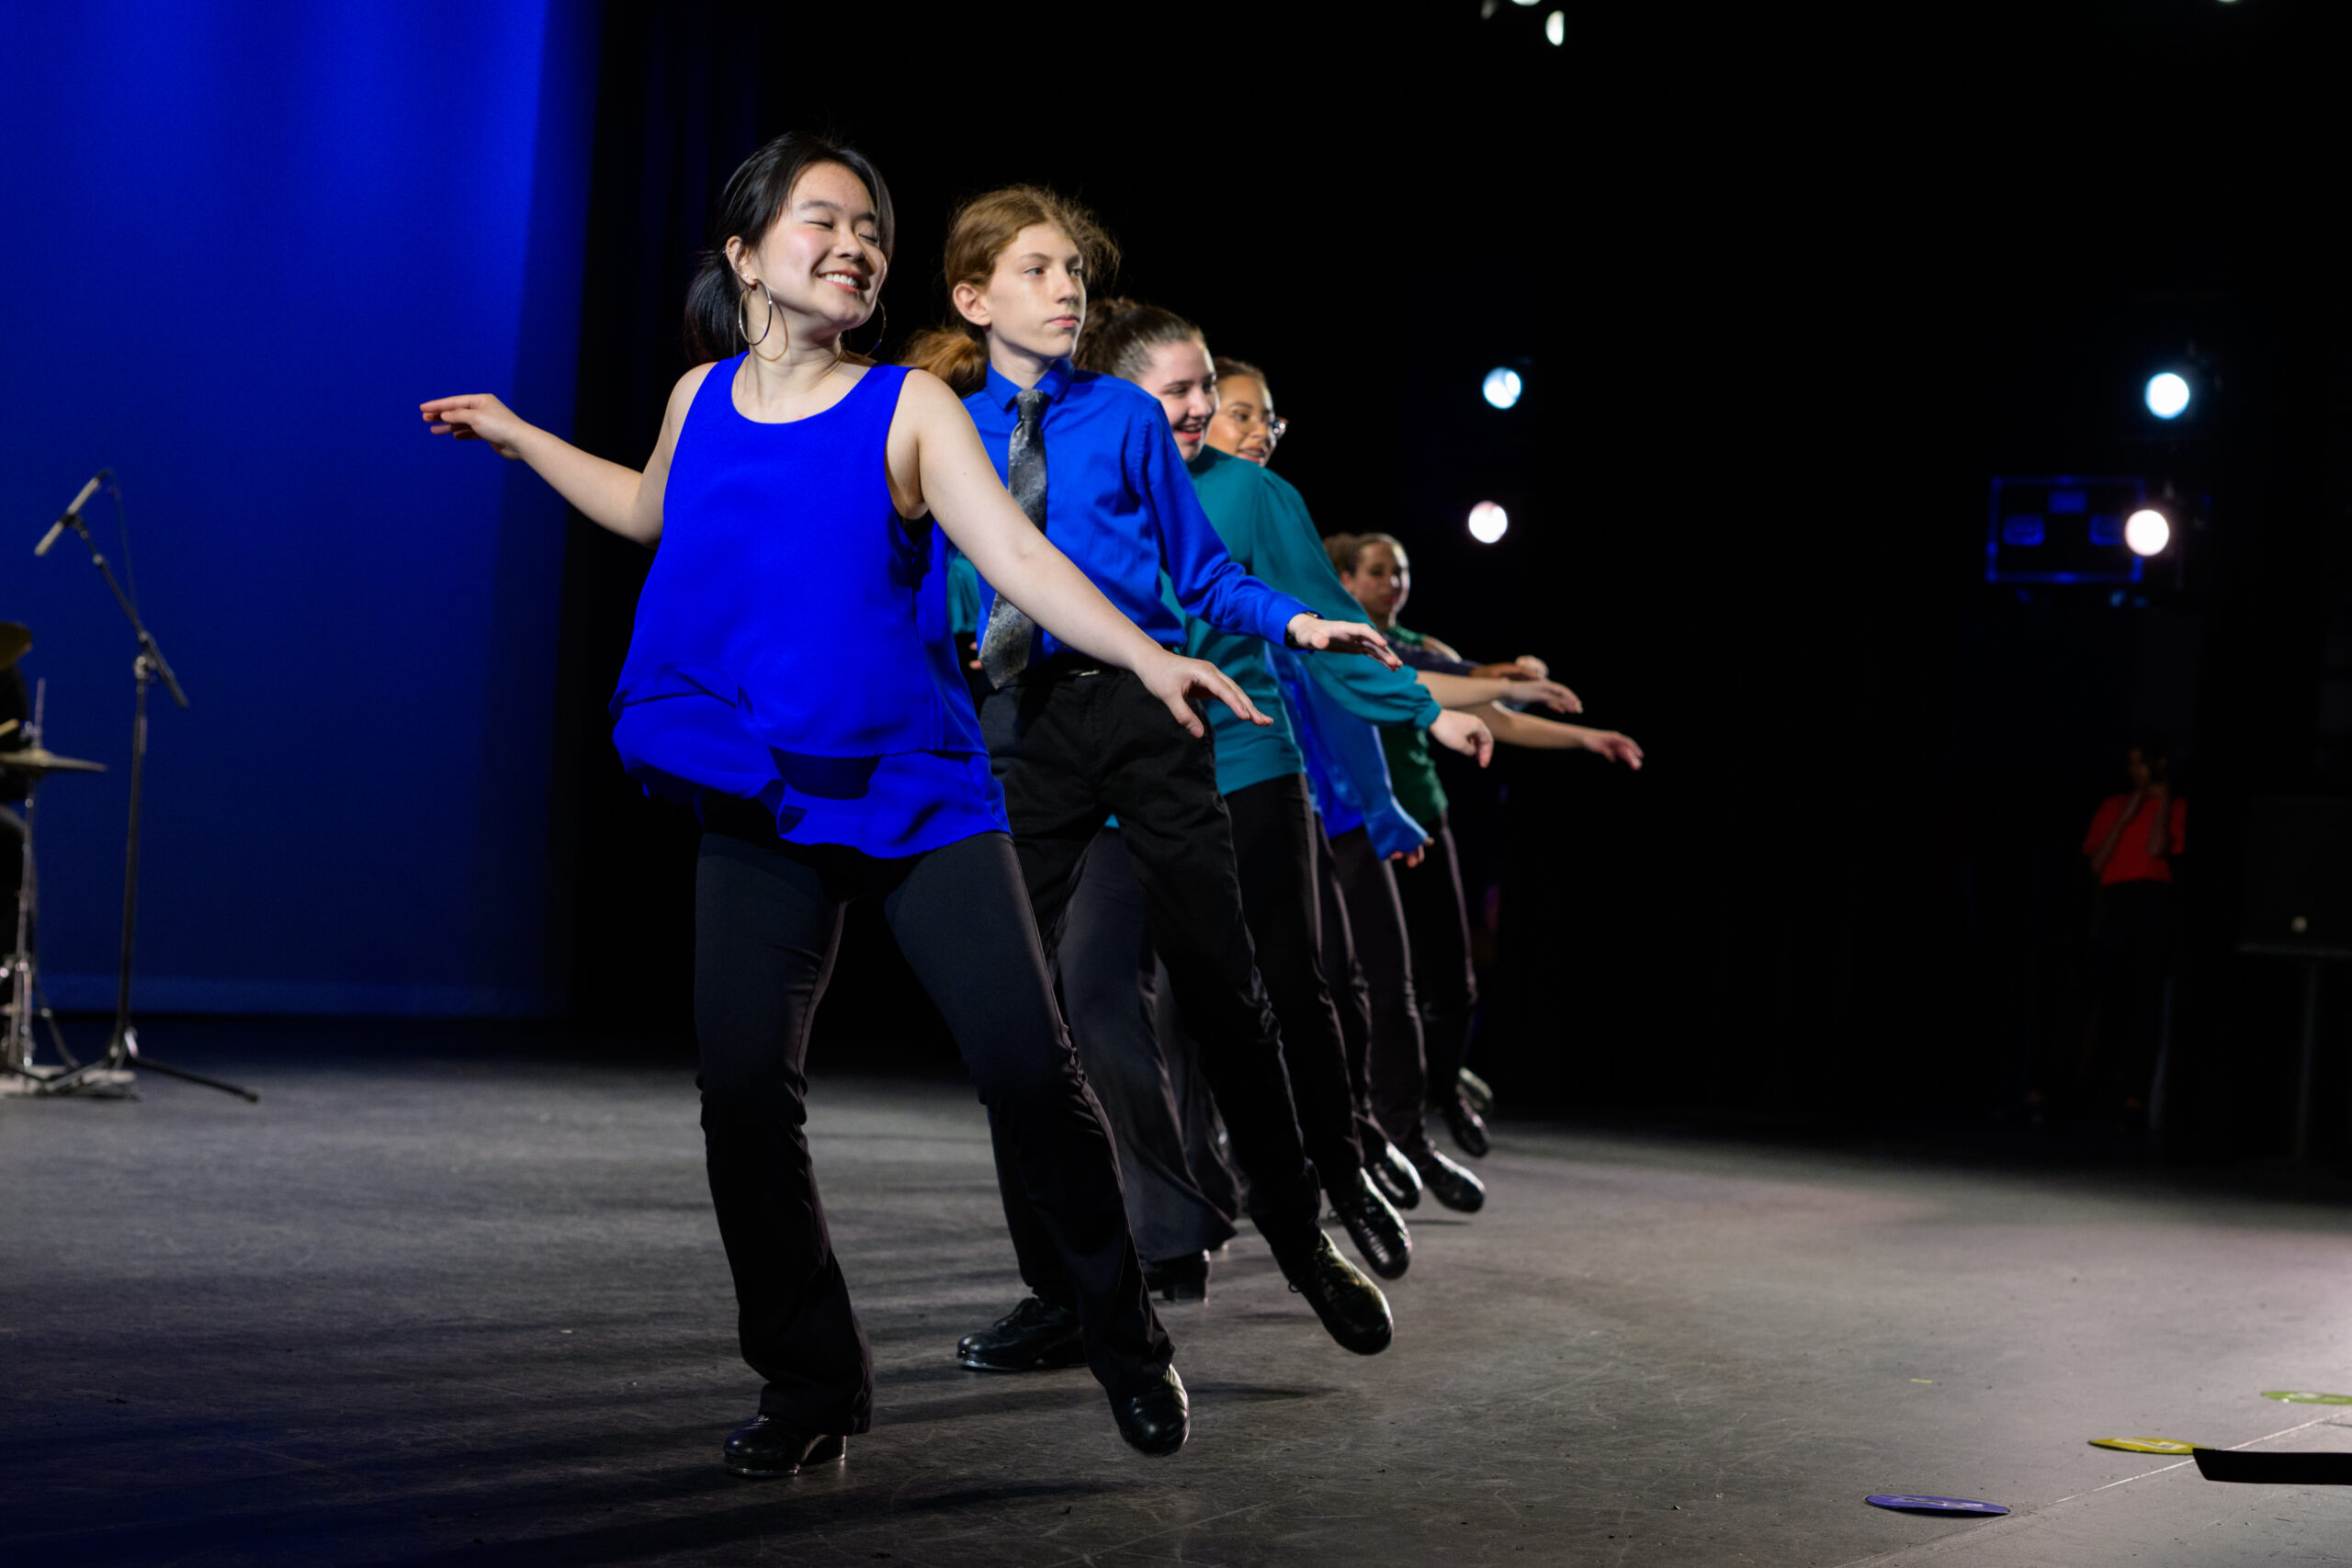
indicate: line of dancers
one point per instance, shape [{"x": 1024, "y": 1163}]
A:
[{"x": 1195, "y": 784}]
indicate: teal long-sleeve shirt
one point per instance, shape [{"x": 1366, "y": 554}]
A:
[{"x": 1267, "y": 530}]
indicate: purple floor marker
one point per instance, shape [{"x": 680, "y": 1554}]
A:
[{"x": 1906, "y": 1503}]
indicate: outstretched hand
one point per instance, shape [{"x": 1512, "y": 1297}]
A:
[
  {"x": 1615, "y": 747},
  {"x": 1413, "y": 856},
  {"x": 1542, "y": 692},
  {"x": 1177, "y": 681},
  {"x": 1340, "y": 636},
  {"x": 1465, "y": 732},
  {"x": 476, "y": 416}
]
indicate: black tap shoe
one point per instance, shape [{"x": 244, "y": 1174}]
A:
[
  {"x": 1157, "y": 1420},
  {"x": 1476, "y": 1090},
  {"x": 768, "y": 1449},
  {"x": 1379, "y": 1235},
  {"x": 1393, "y": 1173},
  {"x": 1463, "y": 1122},
  {"x": 1178, "y": 1279},
  {"x": 1033, "y": 1337},
  {"x": 1448, "y": 1182},
  {"x": 1353, "y": 1309}
]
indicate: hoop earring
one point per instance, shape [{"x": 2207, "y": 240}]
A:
[
  {"x": 882, "y": 315},
  {"x": 743, "y": 316}
]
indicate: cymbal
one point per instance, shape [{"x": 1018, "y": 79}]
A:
[
  {"x": 37, "y": 761},
  {"x": 16, "y": 642}
]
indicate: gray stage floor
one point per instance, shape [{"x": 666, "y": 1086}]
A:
[{"x": 464, "y": 1309}]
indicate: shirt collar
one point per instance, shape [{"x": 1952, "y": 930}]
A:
[{"x": 1052, "y": 383}]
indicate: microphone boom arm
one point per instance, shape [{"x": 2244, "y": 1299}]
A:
[{"x": 148, "y": 647}]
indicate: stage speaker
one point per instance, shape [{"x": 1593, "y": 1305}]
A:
[{"x": 2298, "y": 878}]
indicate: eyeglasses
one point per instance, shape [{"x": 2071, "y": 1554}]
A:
[{"x": 1275, "y": 428}]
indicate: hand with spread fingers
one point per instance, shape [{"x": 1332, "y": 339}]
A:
[
  {"x": 1180, "y": 682},
  {"x": 1320, "y": 636}
]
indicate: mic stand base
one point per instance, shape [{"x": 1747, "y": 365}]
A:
[{"x": 112, "y": 1078}]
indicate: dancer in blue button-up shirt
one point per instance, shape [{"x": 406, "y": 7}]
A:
[
  {"x": 1119, "y": 480},
  {"x": 1096, "y": 467}
]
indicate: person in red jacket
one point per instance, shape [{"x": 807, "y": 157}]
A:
[{"x": 2132, "y": 842}]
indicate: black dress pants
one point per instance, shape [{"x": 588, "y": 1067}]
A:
[
  {"x": 1071, "y": 746},
  {"x": 1275, "y": 845},
  {"x": 1396, "y": 1072},
  {"x": 1110, "y": 989},
  {"x": 768, "y": 921},
  {"x": 1438, "y": 919},
  {"x": 1205, "y": 1143},
  {"x": 1350, "y": 992}
]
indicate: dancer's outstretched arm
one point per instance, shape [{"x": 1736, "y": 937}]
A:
[
  {"x": 1477, "y": 691},
  {"x": 1550, "y": 735},
  {"x": 624, "y": 500},
  {"x": 959, "y": 486}
]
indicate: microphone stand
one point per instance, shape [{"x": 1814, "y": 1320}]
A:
[{"x": 111, "y": 1072}]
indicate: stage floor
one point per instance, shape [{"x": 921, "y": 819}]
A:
[{"x": 450, "y": 1305}]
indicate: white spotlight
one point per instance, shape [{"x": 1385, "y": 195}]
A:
[
  {"x": 1489, "y": 522},
  {"x": 1555, "y": 27},
  {"x": 2147, "y": 532},
  {"x": 2167, "y": 394},
  {"x": 1502, "y": 387}
]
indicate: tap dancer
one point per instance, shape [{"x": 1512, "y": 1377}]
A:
[
  {"x": 1064, "y": 734},
  {"x": 791, "y": 678},
  {"x": 1264, "y": 525},
  {"x": 1376, "y": 571}
]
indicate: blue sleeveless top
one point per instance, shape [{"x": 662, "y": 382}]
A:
[{"x": 792, "y": 645}]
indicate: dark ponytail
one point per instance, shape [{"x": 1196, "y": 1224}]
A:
[
  {"x": 754, "y": 198},
  {"x": 1120, "y": 334}
]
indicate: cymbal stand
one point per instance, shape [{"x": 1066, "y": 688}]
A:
[
  {"x": 105, "y": 1075},
  {"x": 19, "y": 1073}
]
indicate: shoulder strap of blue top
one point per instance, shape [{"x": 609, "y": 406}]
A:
[{"x": 719, "y": 382}]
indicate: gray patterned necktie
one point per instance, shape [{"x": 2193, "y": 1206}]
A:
[{"x": 1005, "y": 647}]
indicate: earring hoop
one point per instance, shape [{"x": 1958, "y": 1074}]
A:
[
  {"x": 882, "y": 316},
  {"x": 743, "y": 315}
]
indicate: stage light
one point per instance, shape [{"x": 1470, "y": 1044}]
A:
[
  {"x": 1555, "y": 27},
  {"x": 1502, "y": 387},
  {"x": 2147, "y": 532},
  {"x": 1489, "y": 522},
  {"x": 2167, "y": 394}
]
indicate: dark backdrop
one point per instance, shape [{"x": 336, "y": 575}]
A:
[{"x": 1787, "y": 290}]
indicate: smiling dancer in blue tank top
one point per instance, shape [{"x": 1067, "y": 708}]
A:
[{"x": 787, "y": 496}]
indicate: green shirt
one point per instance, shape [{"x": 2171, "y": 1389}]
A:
[
  {"x": 1412, "y": 772},
  {"x": 1266, "y": 528}
]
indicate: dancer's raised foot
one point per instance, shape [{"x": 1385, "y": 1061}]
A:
[
  {"x": 1353, "y": 1311},
  {"x": 1448, "y": 1182},
  {"x": 1377, "y": 1229},
  {"x": 1477, "y": 1091},
  {"x": 767, "y": 1449},
  {"x": 1391, "y": 1172},
  {"x": 1462, "y": 1120},
  {"x": 1033, "y": 1337},
  {"x": 1155, "y": 1419}
]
